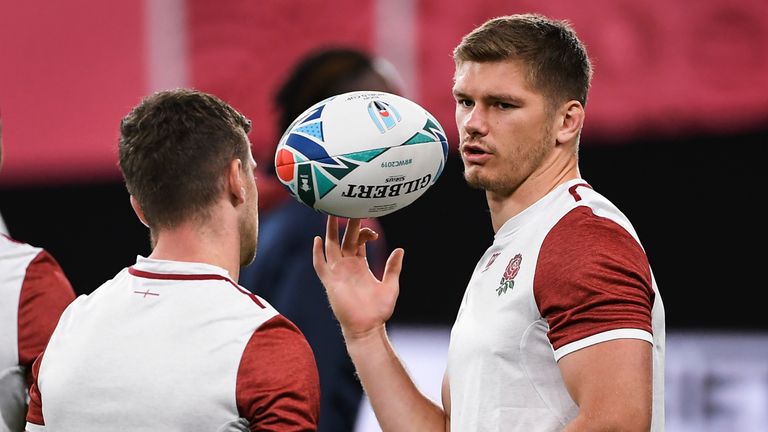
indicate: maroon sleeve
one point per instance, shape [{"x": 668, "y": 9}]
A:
[
  {"x": 35, "y": 410},
  {"x": 278, "y": 388},
  {"x": 592, "y": 276},
  {"x": 45, "y": 293}
]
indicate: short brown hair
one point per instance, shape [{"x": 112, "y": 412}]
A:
[
  {"x": 174, "y": 148},
  {"x": 557, "y": 61}
]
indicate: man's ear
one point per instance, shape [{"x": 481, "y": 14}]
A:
[
  {"x": 571, "y": 117},
  {"x": 236, "y": 182},
  {"x": 139, "y": 212}
]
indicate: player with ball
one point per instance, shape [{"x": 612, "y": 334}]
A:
[{"x": 561, "y": 327}]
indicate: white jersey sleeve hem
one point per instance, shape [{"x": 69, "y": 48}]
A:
[
  {"x": 628, "y": 333},
  {"x": 31, "y": 427}
]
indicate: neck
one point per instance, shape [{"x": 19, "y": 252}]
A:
[
  {"x": 546, "y": 178},
  {"x": 202, "y": 242}
]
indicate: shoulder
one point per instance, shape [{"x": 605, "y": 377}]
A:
[
  {"x": 46, "y": 274},
  {"x": 34, "y": 262},
  {"x": 277, "y": 380},
  {"x": 45, "y": 294},
  {"x": 45, "y": 288},
  {"x": 16, "y": 254},
  {"x": 584, "y": 235},
  {"x": 283, "y": 340},
  {"x": 592, "y": 276}
]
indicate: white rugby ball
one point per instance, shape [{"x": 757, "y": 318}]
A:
[{"x": 361, "y": 154}]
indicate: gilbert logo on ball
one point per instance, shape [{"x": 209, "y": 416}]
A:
[{"x": 361, "y": 154}]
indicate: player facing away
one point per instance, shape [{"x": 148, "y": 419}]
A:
[
  {"x": 561, "y": 327},
  {"x": 173, "y": 343}
]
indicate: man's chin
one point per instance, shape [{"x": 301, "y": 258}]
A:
[{"x": 473, "y": 180}]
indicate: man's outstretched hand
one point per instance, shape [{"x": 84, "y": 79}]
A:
[{"x": 360, "y": 301}]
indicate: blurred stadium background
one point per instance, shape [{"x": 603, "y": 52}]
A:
[{"x": 676, "y": 135}]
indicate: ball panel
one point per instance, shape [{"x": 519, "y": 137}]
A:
[
  {"x": 337, "y": 167},
  {"x": 434, "y": 126},
  {"x": 324, "y": 183},
  {"x": 305, "y": 184},
  {"x": 305, "y": 145},
  {"x": 312, "y": 129},
  {"x": 284, "y": 165},
  {"x": 365, "y": 155}
]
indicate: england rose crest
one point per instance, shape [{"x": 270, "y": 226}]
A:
[{"x": 508, "y": 280}]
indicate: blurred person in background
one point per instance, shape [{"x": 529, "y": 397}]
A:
[
  {"x": 173, "y": 343},
  {"x": 285, "y": 275},
  {"x": 562, "y": 326},
  {"x": 34, "y": 291}
]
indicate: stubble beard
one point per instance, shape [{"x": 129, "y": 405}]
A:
[
  {"x": 248, "y": 238},
  {"x": 505, "y": 181}
]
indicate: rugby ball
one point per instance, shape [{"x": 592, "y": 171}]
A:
[{"x": 361, "y": 154}]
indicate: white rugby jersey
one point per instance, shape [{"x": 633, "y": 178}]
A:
[
  {"x": 174, "y": 346},
  {"x": 566, "y": 273},
  {"x": 33, "y": 293}
]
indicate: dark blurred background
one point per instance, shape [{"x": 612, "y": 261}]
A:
[{"x": 676, "y": 135}]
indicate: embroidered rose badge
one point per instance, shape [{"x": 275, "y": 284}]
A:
[{"x": 507, "y": 281}]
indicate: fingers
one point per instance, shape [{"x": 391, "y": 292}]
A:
[
  {"x": 350, "y": 244},
  {"x": 366, "y": 235},
  {"x": 394, "y": 266},
  {"x": 332, "y": 248},
  {"x": 318, "y": 257}
]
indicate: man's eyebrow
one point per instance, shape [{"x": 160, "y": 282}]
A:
[
  {"x": 458, "y": 93},
  {"x": 490, "y": 97},
  {"x": 506, "y": 97}
]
